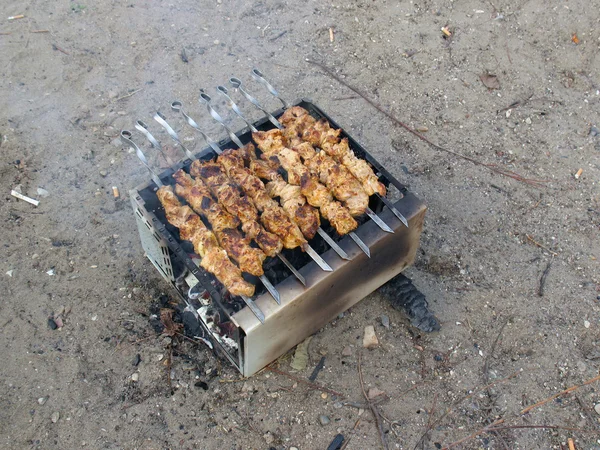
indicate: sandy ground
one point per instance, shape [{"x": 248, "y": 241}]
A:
[{"x": 65, "y": 97}]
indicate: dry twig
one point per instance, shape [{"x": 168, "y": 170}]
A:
[
  {"x": 313, "y": 386},
  {"x": 492, "y": 167},
  {"x": 559, "y": 394},
  {"x": 543, "y": 279},
  {"x": 371, "y": 406},
  {"x": 537, "y": 244},
  {"x": 128, "y": 95}
]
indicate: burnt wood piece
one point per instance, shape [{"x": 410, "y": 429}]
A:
[{"x": 404, "y": 296}]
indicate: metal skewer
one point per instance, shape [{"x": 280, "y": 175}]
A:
[
  {"x": 205, "y": 99},
  {"x": 225, "y": 93},
  {"x": 237, "y": 84},
  {"x": 178, "y": 106},
  {"x": 322, "y": 233},
  {"x": 161, "y": 119},
  {"x": 126, "y": 139},
  {"x": 258, "y": 76},
  {"x": 375, "y": 218}
]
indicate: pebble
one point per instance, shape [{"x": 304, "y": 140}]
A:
[
  {"x": 597, "y": 408},
  {"x": 422, "y": 129},
  {"x": 55, "y": 416},
  {"x": 42, "y": 192},
  {"x": 135, "y": 377},
  {"x": 347, "y": 351},
  {"x": 52, "y": 324},
  {"x": 586, "y": 323},
  {"x": 293, "y": 448},
  {"x": 370, "y": 339},
  {"x": 594, "y": 131},
  {"x": 385, "y": 321},
  {"x": 528, "y": 121},
  {"x": 324, "y": 419},
  {"x": 337, "y": 405},
  {"x": 137, "y": 360},
  {"x": 42, "y": 400},
  {"x": 103, "y": 173},
  {"x": 374, "y": 392},
  {"x": 268, "y": 438}
]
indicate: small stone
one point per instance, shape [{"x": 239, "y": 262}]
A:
[
  {"x": 55, "y": 416},
  {"x": 52, "y": 324},
  {"x": 528, "y": 121},
  {"x": 217, "y": 42},
  {"x": 337, "y": 405},
  {"x": 385, "y": 321},
  {"x": 347, "y": 351},
  {"x": 370, "y": 339},
  {"x": 135, "y": 377},
  {"x": 597, "y": 408},
  {"x": 103, "y": 173},
  {"x": 374, "y": 392},
  {"x": 422, "y": 129},
  {"x": 293, "y": 448},
  {"x": 268, "y": 438},
  {"x": 324, "y": 395},
  {"x": 136, "y": 290},
  {"x": 324, "y": 419},
  {"x": 160, "y": 358},
  {"x": 594, "y": 131},
  {"x": 137, "y": 360},
  {"x": 42, "y": 400},
  {"x": 361, "y": 411},
  {"x": 42, "y": 192},
  {"x": 586, "y": 323}
]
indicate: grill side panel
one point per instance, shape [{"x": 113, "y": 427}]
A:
[
  {"x": 304, "y": 311},
  {"x": 153, "y": 243}
]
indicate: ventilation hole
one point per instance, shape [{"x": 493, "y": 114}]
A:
[
  {"x": 139, "y": 213},
  {"x": 148, "y": 225}
]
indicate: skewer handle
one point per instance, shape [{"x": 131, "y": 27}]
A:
[
  {"x": 160, "y": 118},
  {"x": 237, "y": 84},
  {"x": 126, "y": 139},
  {"x": 205, "y": 100},
  {"x": 225, "y": 93},
  {"x": 178, "y": 107},
  {"x": 258, "y": 76}
]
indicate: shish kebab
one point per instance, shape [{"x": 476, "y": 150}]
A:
[
  {"x": 272, "y": 215},
  {"x": 214, "y": 259},
  {"x": 353, "y": 197},
  {"x": 359, "y": 168},
  {"x": 282, "y": 224},
  {"x": 331, "y": 210},
  {"x": 306, "y": 217},
  {"x": 236, "y": 203},
  {"x": 228, "y": 236}
]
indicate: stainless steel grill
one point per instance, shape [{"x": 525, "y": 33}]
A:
[{"x": 251, "y": 333}]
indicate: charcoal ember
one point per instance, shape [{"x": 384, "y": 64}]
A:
[
  {"x": 404, "y": 296},
  {"x": 191, "y": 325}
]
